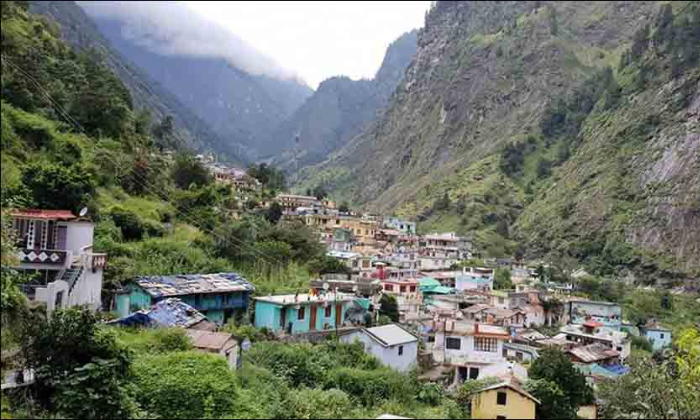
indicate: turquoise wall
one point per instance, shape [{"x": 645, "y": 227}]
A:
[
  {"x": 268, "y": 315},
  {"x": 133, "y": 301},
  {"x": 656, "y": 340}
]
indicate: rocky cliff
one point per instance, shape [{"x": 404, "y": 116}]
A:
[
  {"x": 545, "y": 126},
  {"x": 340, "y": 109}
]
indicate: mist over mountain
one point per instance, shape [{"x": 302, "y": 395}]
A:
[{"x": 238, "y": 91}]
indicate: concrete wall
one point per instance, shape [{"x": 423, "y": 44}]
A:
[
  {"x": 485, "y": 405},
  {"x": 388, "y": 356},
  {"x": 659, "y": 339},
  {"x": 269, "y": 315},
  {"x": 88, "y": 290},
  {"x": 467, "y": 353},
  {"x": 79, "y": 235}
]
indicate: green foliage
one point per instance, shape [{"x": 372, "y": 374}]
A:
[
  {"x": 502, "y": 280},
  {"x": 132, "y": 227},
  {"x": 389, "y": 307},
  {"x": 344, "y": 207},
  {"x": 155, "y": 341},
  {"x": 600, "y": 289},
  {"x": 329, "y": 265},
  {"x": 665, "y": 388},
  {"x": 368, "y": 387},
  {"x": 274, "y": 213},
  {"x": 70, "y": 353},
  {"x": 56, "y": 186},
  {"x": 317, "y": 404},
  {"x": 188, "y": 171},
  {"x": 562, "y": 388},
  {"x": 271, "y": 178},
  {"x": 185, "y": 385},
  {"x": 641, "y": 343},
  {"x": 467, "y": 390}
]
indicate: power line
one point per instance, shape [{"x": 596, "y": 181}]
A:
[{"x": 145, "y": 184}]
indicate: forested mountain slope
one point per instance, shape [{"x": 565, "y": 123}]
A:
[
  {"x": 80, "y": 32},
  {"x": 340, "y": 109},
  {"x": 561, "y": 128}
]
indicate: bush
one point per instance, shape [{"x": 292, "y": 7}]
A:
[
  {"x": 59, "y": 187},
  {"x": 641, "y": 343},
  {"x": 369, "y": 387},
  {"x": 185, "y": 385},
  {"x": 317, "y": 404}
]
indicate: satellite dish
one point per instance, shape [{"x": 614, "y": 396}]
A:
[
  {"x": 326, "y": 286},
  {"x": 83, "y": 212}
]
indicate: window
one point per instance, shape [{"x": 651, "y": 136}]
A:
[
  {"x": 337, "y": 221},
  {"x": 301, "y": 314},
  {"x": 519, "y": 356},
  {"x": 403, "y": 289},
  {"x": 619, "y": 349},
  {"x": 502, "y": 398},
  {"x": 474, "y": 373},
  {"x": 389, "y": 287},
  {"x": 329, "y": 312},
  {"x": 663, "y": 336},
  {"x": 400, "y": 350},
  {"x": 453, "y": 343},
  {"x": 413, "y": 290},
  {"x": 505, "y": 353},
  {"x": 487, "y": 345}
]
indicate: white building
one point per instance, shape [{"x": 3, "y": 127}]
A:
[
  {"x": 469, "y": 348},
  {"x": 392, "y": 345},
  {"x": 593, "y": 332},
  {"x": 59, "y": 245}
]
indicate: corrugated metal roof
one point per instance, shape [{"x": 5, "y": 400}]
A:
[
  {"x": 194, "y": 284},
  {"x": 206, "y": 340},
  {"x": 391, "y": 335},
  {"x": 175, "y": 313},
  {"x": 593, "y": 353},
  {"x": 44, "y": 214}
]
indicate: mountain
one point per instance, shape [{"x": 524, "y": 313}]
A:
[
  {"x": 80, "y": 32},
  {"x": 340, "y": 109},
  {"x": 561, "y": 130},
  {"x": 240, "y": 93}
]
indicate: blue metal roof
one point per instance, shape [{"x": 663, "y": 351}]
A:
[
  {"x": 166, "y": 313},
  {"x": 193, "y": 284}
]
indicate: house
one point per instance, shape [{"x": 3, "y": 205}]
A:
[
  {"x": 593, "y": 332},
  {"x": 220, "y": 344},
  {"x": 505, "y": 400},
  {"x": 529, "y": 302},
  {"x": 477, "y": 312},
  {"x": 474, "y": 281},
  {"x": 506, "y": 317},
  {"x": 660, "y": 337},
  {"x": 430, "y": 287},
  {"x": 403, "y": 226},
  {"x": 594, "y": 353},
  {"x": 392, "y": 345},
  {"x": 606, "y": 313},
  {"x": 520, "y": 352},
  {"x": 59, "y": 245},
  {"x": 368, "y": 288},
  {"x": 406, "y": 293},
  {"x": 500, "y": 299},
  {"x": 168, "y": 313},
  {"x": 218, "y": 296},
  {"x": 468, "y": 347},
  {"x": 297, "y": 314},
  {"x": 290, "y": 202}
]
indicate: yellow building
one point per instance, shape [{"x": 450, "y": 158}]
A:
[
  {"x": 504, "y": 401},
  {"x": 364, "y": 230}
]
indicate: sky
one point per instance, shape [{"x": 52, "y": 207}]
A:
[{"x": 318, "y": 40}]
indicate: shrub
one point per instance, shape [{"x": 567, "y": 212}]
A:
[
  {"x": 317, "y": 404},
  {"x": 185, "y": 385},
  {"x": 369, "y": 387}
]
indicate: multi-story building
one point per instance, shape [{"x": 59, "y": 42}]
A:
[
  {"x": 592, "y": 332},
  {"x": 468, "y": 347},
  {"x": 579, "y": 312},
  {"x": 403, "y": 226},
  {"x": 59, "y": 245},
  {"x": 364, "y": 230}
]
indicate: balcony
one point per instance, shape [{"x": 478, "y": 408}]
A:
[{"x": 45, "y": 259}]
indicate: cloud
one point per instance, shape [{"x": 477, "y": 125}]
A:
[{"x": 173, "y": 29}]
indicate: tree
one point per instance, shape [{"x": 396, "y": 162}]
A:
[
  {"x": 663, "y": 389},
  {"x": 344, "y": 207},
  {"x": 59, "y": 187},
  {"x": 544, "y": 168},
  {"x": 502, "y": 280},
  {"x": 329, "y": 265},
  {"x": 561, "y": 388},
  {"x": 79, "y": 366},
  {"x": 274, "y": 213},
  {"x": 320, "y": 192},
  {"x": 442, "y": 204},
  {"x": 165, "y": 133},
  {"x": 188, "y": 172},
  {"x": 512, "y": 159},
  {"x": 389, "y": 307}
]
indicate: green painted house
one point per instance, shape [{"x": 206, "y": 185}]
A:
[{"x": 218, "y": 296}]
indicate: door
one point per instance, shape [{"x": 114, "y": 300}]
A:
[
  {"x": 283, "y": 318},
  {"x": 338, "y": 315},
  {"x": 312, "y": 321},
  {"x": 62, "y": 238}
]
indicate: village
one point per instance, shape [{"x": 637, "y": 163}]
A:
[{"x": 409, "y": 299}]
